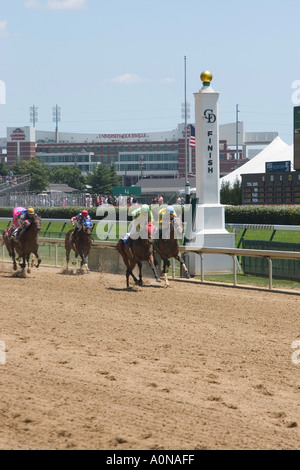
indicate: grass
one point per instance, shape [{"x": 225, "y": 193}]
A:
[{"x": 254, "y": 281}]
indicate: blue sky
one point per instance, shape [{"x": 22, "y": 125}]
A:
[{"x": 118, "y": 66}]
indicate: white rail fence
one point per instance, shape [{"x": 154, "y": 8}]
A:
[{"x": 269, "y": 255}]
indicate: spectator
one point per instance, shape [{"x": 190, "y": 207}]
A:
[{"x": 160, "y": 200}]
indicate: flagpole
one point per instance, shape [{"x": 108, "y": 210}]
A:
[{"x": 187, "y": 184}]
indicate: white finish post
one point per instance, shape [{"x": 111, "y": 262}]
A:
[{"x": 210, "y": 214}]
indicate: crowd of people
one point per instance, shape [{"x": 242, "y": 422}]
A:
[
  {"x": 8, "y": 179},
  {"x": 98, "y": 200}
]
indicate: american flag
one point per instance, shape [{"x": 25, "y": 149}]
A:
[{"x": 192, "y": 137}]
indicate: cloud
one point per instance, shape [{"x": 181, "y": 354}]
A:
[
  {"x": 32, "y": 4},
  {"x": 128, "y": 79},
  {"x": 3, "y": 32},
  {"x": 167, "y": 80},
  {"x": 57, "y": 4},
  {"x": 66, "y": 4}
]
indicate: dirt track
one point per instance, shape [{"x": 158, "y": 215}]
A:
[{"x": 90, "y": 365}]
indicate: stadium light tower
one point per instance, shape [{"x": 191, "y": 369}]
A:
[
  {"x": 34, "y": 114},
  {"x": 56, "y": 119}
]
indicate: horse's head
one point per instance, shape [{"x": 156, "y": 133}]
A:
[
  {"x": 88, "y": 227},
  {"x": 37, "y": 223}
]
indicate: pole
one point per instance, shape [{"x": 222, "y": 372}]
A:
[
  {"x": 187, "y": 184},
  {"x": 56, "y": 123},
  {"x": 33, "y": 115},
  {"x": 237, "y": 132}
]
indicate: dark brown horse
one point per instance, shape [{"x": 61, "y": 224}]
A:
[
  {"x": 25, "y": 245},
  {"x": 81, "y": 245},
  {"x": 167, "y": 246},
  {"x": 139, "y": 250}
]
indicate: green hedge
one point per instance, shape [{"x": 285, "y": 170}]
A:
[
  {"x": 270, "y": 215},
  {"x": 58, "y": 212},
  {"x": 279, "y": 215}
]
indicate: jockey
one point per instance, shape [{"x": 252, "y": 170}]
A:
[
  {"x": 166, "y": 214},
  {"x": 168, "y": 211},
  {"x": 143, "y": 210},
  {"x": 25, "y": 219},
  {"x": 80, "y": 219},
  {"x": 17, "y": 212},
  {"x": 140, "y": 217}
]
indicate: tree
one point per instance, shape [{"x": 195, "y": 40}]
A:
[
  {"x": 115, "y": 179},
  {"x": 231, "y": 195},
  {"x": 3, "y": 168},
  {"x": 67, "y": 175},
  {"x": 102, "y": 179},
  {"x": 39, "y": 175},
  {"x": 19, "y": 167}
]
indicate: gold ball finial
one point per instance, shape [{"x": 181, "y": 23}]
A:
[{"x": 206, "y": 76}]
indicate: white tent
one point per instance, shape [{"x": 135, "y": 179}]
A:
[{"x": 276, "y": 151}]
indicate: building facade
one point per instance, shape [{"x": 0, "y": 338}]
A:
[{"x": 135, "y": 155}]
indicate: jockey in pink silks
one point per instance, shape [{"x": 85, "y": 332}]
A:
[{"x": 17, "y": 212}]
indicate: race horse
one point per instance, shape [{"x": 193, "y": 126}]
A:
[
  {"x": 167, "y": 246},
  {"x": 81, "y": 245},
  {"x": 25, "y": 245},
  {"x": 139, "y": 250}
]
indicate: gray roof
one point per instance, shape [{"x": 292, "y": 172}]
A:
[
  {"x": 161, "y": 185},
  {"x": 60, "y": 188}
]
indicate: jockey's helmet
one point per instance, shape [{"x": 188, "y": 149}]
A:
[
  {"x": 30, "y": 210},
  {"x": 85, "y": 213},
  {"x": 170, "y": 210},
  {"x": 145, "y": 208}
]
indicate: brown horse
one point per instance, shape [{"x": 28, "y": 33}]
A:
[
  {"x": 141, "y": 249},
  {"x": 169, "y": 247},
  {"x": 25, "y": 245},
  {"x": 81, "y": 245}
]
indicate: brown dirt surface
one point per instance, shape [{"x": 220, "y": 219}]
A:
[{"x": 90, "y": 365}]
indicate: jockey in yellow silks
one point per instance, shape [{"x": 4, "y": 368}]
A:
[
  {"x": 165, "y": 215},
  {"x": 168, "y": 212}
]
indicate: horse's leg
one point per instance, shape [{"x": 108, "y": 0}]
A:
[
  {"x": 185, "y": 269},
  {"x": 129, "y": 272},
  {"x": 152, "y": 264},
  {"x": 14, "y": 259},
  {"x": 129, "y": 263},
  {"x": 84, "y": 263},
  {"x": 28, "y": 264},
  {"x": 23, "y": 264},
  {"x": 68, "y": 251},
  {"x": 36, "y": 254},
  {"x": 140, "y": 281},
  {"x": 166, "y": 270}
]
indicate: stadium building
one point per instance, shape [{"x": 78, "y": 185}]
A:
[{"x": 135, "y": 155}]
